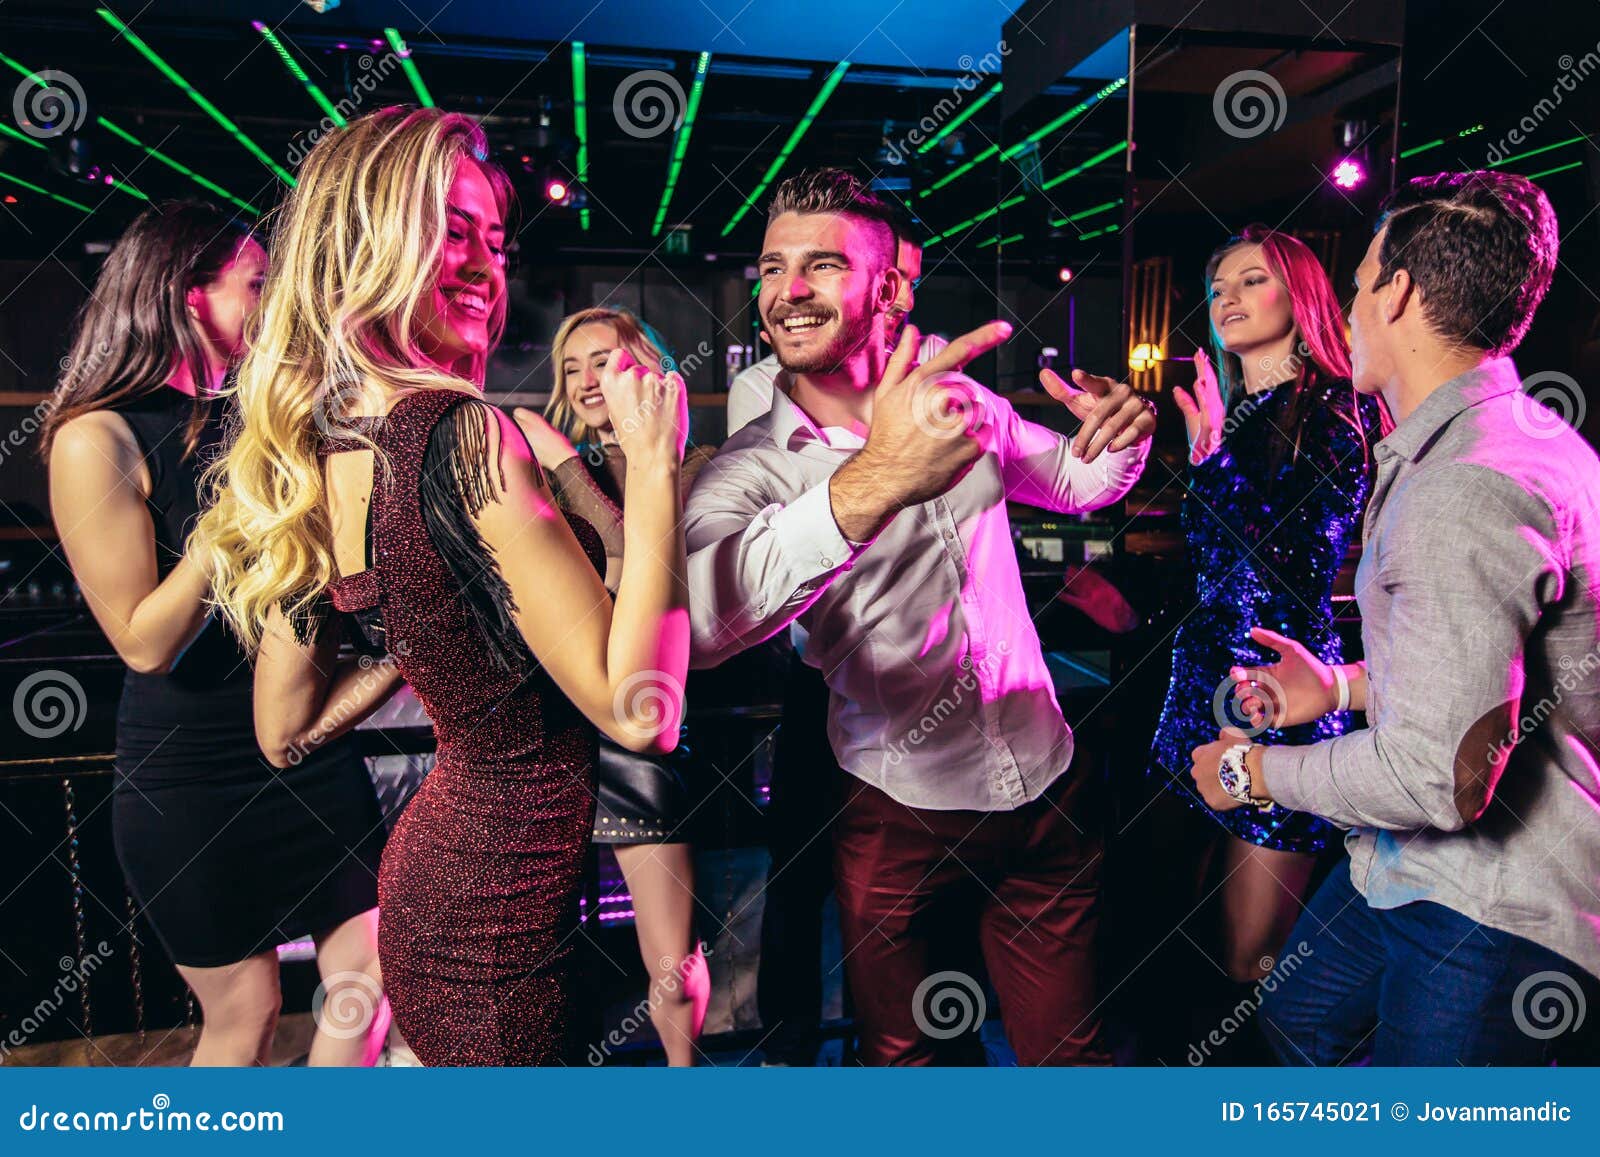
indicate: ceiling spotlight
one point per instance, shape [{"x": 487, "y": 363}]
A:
[
  {"x": 556, "y": 190},
  {"x": 1348, "y": 173},
  {"x": 1064, "y": 275}
]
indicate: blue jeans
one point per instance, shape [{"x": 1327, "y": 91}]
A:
[{"x": 1420, "y": 984}]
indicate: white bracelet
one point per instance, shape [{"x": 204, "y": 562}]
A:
[{"x": 1342, "y": 681}]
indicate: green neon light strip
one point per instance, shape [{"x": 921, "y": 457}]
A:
[
  {"x": 189, "y": 90},
  {"x": 961, "y": 118},
  {"x": 1082, "y": 213},
  {"x": 299, "y": 73},
  {"x": 1404, "y": 153},
  {"x": 23, "y": 137},
  {"x": 176, "y": 166},
  {"x": 19, "y": 67},
  {"x": 681, "y": 144},
  {"x": 954, "y": 173},
  {"x": 1076, "y": 170},
  {"x": 1071, "y": 114},
  {"x": 817, "y": 102},
  {"x": 1098, "y": 232},
  {"x": 18, "y": 181},
  {"x": 1557, "y": 169},
  {"x": 979, "y": 218},
  {"x": 1038, "y": 134},
  {"x": 122, "y": 186},
  {"x": 398, "y": 47},
  {"x": 1534, "y": 152},
  {"x": 1467, "y": 132},
  {"x": 999, "y": 241},
  {"x": 580, "y": 119}
]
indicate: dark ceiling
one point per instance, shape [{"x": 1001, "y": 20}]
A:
[{"x": 524, "y": 93}]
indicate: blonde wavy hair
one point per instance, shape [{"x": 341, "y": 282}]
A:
[
  {"x": 632, "y": 335},
  {"x": 355, "y": 250}
]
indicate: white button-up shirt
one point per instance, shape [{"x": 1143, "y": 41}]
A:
[{"x": 940, "y": 693}]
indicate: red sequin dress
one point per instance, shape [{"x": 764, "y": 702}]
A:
[{"x": 478, "y": 891}]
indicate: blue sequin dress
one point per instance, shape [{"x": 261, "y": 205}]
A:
[{"x": 1265, "y": 544}]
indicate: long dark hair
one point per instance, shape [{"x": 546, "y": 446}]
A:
[
  {"x": 135, "y": 328},
  {"x": 1320, "y": 348}
]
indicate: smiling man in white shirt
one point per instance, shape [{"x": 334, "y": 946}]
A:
[
  {"x": 868, "y": 504},
  {"x": 750, "y": 392}
]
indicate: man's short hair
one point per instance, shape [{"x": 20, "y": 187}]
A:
[
  {"x": 1482, "y": 248},
  {"x": 833, "y": 190}
]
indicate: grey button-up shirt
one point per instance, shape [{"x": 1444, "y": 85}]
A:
[
  {"x": 941, "y": 697},
  {"x": 1476, "y": 586}
]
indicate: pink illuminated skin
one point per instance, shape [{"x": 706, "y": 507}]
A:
[{"x": 456, "y": 320}]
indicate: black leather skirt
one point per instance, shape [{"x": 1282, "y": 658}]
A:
[{"x": 642, "y": 799}]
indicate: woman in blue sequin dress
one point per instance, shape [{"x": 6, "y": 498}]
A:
[{"x": 1280, "y": 455}]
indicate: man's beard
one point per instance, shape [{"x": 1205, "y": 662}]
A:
[{"x": 852, "y": 336}]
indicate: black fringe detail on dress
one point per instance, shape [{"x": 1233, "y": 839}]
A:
[{"x": 458, "y": 481}]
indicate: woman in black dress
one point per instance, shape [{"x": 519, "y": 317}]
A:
[
  {"x": 226, "y": 857},
  {"x": 641, "y": 802}
]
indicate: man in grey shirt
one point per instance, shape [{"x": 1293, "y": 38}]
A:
[{"x": 1465, "y": 927}]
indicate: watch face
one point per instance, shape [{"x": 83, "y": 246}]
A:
[{"x": 1229, "y": 775}]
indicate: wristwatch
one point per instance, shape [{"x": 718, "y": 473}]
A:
[{"x": 1234, "y": 774}]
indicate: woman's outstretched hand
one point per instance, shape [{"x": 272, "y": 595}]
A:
[{"x": 1203, "y": 411}]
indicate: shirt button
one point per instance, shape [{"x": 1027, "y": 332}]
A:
[
  {"x": 950, "y": 536},
  {"x": 826, "y": 561}
]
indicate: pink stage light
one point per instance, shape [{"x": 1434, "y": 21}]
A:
[
  {"x": 1348, "y": 173},
  {"x": 555, "y": 190}
]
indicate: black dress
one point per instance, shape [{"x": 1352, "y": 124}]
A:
[{"x": 226, "y": 855}]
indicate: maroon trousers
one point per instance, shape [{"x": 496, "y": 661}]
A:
[{"x": 922, "y": 892}]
